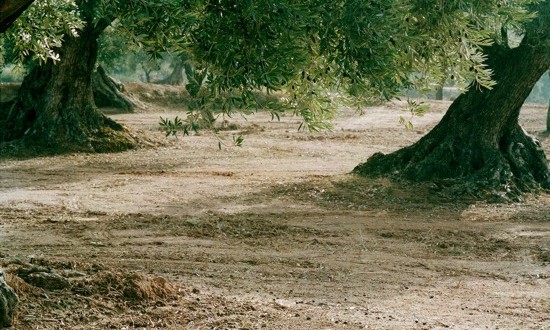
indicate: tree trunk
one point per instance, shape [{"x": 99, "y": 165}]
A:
[
  {"x": 439, "y": 93},
  {"x": 548, "y": 117},
  {"x": 108, "y": 93},
  {"x": 479, "y": 142},
  {"x": 176, "y": 77},
  {"x": 147, "y": 72},
  {"x": 55, "y": 109}
]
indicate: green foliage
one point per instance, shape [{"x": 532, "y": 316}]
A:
[
  {"x": 416, "y": 109},
  {"x": 321, "y": 53},
  {"x": 40, "y": 30},
  {"x": 114, "y": 48},
  {"x": 157, "y": 26},
  {"x": 123, "y": 58},
  {"x": 172, "y": 127},
  {"x": 238, "y": 140},
  {"x": 252, "y": 36}
]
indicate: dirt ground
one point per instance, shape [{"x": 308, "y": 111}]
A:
[{"x": 275, "y": 234}]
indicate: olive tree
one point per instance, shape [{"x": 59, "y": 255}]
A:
[
  {"x": 319, "y": 52},
  {"x": 55, "y": 107},
  {"x": 479, "y": 141}
]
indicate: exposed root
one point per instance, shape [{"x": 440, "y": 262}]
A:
[
  {"x": 101, "y": 141},
  {"x": 25, "y": 135},
  {"x": 108, "y": 92},
  {"x": 527, "y": 161},
  {"x": 517, "y": 166}
]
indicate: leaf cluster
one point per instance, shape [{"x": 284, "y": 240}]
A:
[{"x": 40, "y": 30}]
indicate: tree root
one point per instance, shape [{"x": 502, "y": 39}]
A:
[
  {"x": 497, "y": 173},
  {"x": 107, "y": 136},
  {"x": 108, "y": 92}
]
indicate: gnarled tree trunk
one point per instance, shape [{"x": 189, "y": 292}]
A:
[
  {"x": 108, "y": 92},
  {"x": 479, "y": 142},
  {"x": 55, "y": 109}
]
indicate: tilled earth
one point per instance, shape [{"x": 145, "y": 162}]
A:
[{"x": 272, "y": 235}]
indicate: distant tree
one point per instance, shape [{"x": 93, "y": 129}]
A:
[
  {"x": 146, "y": 64},
  {"x": 439, "y": 93},
  {"x": 176, "y": 76}
]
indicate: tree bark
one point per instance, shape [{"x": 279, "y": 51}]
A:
[
  {"x": 108, "y": 92},
  {"x": 479, "y": 142},
  {"x": 55, "y": 110},
  {"x": 10, "y": 10}
]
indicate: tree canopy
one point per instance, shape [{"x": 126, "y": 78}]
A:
[{"x": 305, "y": 47}]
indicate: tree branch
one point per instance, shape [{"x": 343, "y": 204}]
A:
[
  {"x": 10, "y": 10},
  {"x": 101, "y": 25}
]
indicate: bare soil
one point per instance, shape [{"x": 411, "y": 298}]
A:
[{"x": 272, "y": 235}]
